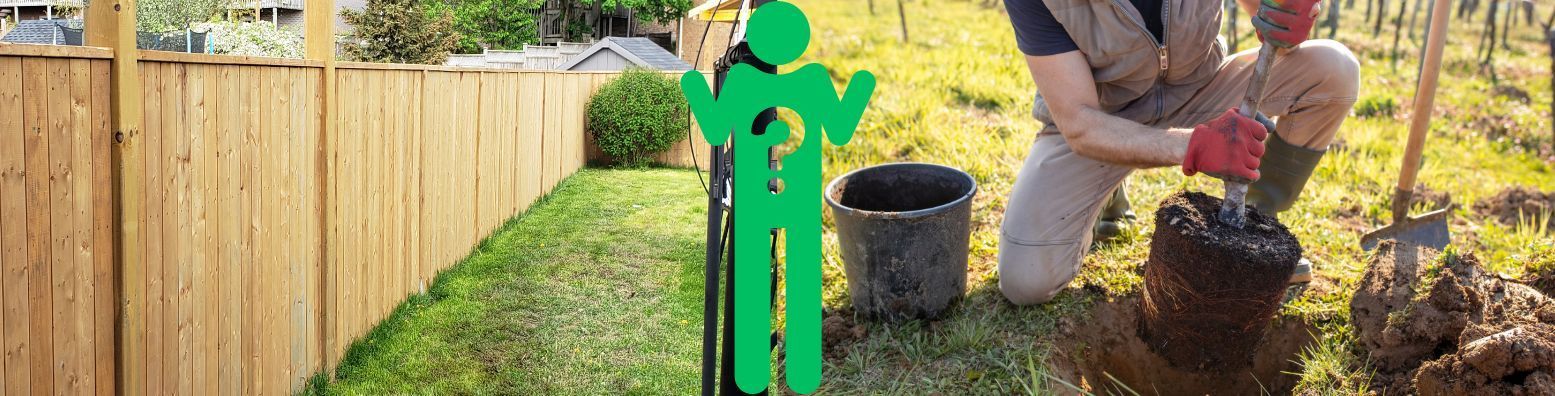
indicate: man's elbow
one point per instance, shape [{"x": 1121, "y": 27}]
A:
[{"x": 1081, "y": 139}]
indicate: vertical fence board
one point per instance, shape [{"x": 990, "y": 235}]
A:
[
  {"x": 104, "y": 299},
  {"x": 13, "y": 232},
  {"x": 83, "y": 366},
  {"x": 62, "y": 236},
  {"x": 230, "y": 214},
  {"x": 176, "y": 239},
  {"x": 151, "y": 75},
  {"x": 34, "y": 118}
]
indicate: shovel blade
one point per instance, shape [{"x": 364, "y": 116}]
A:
[{"x": 1429, "y": 229}]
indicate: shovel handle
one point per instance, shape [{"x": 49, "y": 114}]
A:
[
  {"x": 1425, "y": 101},
  {"x": 1233, "y": 210}
]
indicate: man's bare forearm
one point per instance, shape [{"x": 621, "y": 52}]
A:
[{"x": 1103, "y": 137}]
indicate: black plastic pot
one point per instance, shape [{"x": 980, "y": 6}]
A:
[{"x": 903, "y": 229}]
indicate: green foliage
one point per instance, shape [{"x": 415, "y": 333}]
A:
[
  {"x": 400, "y": 31},
  {"x": 170, "y": 15},
  {"x": 661, "y": 11},
  {"x": 253, "y": 39},
  {"x": 493, "y": 24},
  {"x": 1373, "y": 106},
  {"x": 636, "y": 115}
]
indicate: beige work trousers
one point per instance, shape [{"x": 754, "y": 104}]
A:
[{"x": 1058, "y": 193}]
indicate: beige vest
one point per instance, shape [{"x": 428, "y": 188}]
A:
[{"x": 1136, "y": 79}]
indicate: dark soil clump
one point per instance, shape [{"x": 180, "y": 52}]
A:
[
  {"x": 1211, "y": 289},
  {"x": 1441, "y": 325},
  {"x": 1104, "y": 354},
  {"x": 1518, "y": 204},
  {"x": 838, "y": 331},
  {"x": 1519, "y": 360}
]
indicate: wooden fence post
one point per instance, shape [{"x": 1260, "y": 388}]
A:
[
  {"x": 319, "y": 39},
  {"x": 111, "y": 23}
]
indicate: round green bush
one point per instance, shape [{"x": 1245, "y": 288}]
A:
[{"x": 637, "y": 115}]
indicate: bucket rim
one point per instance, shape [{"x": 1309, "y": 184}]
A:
[{"x": 839, "y": 207}]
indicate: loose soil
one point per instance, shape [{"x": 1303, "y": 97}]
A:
[
  {"x": 838, "y": 331},
  {"x": 1211, "y": 289},
  {"x": 1444, "y": 326},
  {"x": 1518, "y": 204},
  {"x": 1104, "y": 354}
]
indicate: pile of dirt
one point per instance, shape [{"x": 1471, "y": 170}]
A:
[
  {"x": 1518, "y": 204},
  {"x": 1104, "y": 354},
  {"x": 838, "y": 331},
  {"x": 1515, "y": 361},
  {"x": 1211, "y": 289},
  {"x": 1437, "y": 199},
  {"x": 1442, "y": 325}
]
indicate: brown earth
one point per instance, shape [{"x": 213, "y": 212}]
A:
[
  {"x": 838, "y": 331},
  {"x": 1495, "y": 360},
  {"x": 1444, "y": 326},
  {"x": 1518, "y": 204},
  {"x": 1104, "y": 354},
  {"x": 1211, "y": 289}
]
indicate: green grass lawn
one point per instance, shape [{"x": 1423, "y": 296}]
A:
[
  {"x": 959, "y": 94},
  {"x": 597, "y": 289}
]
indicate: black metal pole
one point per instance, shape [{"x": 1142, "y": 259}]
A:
[{"x": 722, "y": 174}]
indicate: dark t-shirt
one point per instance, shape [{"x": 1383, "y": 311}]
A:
[{"x": 1037, "y": 33}]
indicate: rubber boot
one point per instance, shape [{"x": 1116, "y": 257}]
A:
[
  {"x": 1114, "y": 216},
  {"x": 1282, "y": 174}
]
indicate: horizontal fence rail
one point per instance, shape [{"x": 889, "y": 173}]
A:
[{"x": 266, "y": 244}]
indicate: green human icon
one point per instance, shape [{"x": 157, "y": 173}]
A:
[{"x": 778, "y": 34}]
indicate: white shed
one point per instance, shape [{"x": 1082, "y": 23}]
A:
[{"x": 621, "y": 53}]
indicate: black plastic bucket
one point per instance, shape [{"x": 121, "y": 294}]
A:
[{"x": 903, "y": 229}]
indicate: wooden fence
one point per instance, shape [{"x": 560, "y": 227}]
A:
[
  {"x": 268, "y": 245},
  {"x": 56, "y": 223}
]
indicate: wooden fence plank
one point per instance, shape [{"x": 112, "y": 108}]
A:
[
  {"x": 62, "y": 235},
  {"x": 105, "y": 298},
  {"x": 152, "y": 78},
  {"x": 83, "y": 366},
  {"x": 203, "y": 182},
  {"x": 229, "y": 213},
  {"x": 249, "y": 195},
  {"x": 35, "y": 78},
  {"x": 177, "y": 238},
  {"x": 13, "y": 231}
]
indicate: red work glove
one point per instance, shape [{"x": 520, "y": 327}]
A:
[
  {"x": 1227, "y": 147},
  {"x": 1285, "y": 23}
]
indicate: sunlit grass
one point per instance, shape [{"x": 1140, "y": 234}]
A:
[{"x": 959, "y": 94}]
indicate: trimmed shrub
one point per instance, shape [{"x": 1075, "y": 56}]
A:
[{"x": 637, "y": 115}]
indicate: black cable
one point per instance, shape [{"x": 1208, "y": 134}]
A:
[{"x": 690, "y": 145}]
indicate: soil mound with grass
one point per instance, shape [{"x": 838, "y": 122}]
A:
[
  {"x": 1441, "y": 325},
  {"x": 839, "y": 331},
  {"x": 1518, "y": 204},
  {"x": 1211, "y": 289},
  {"x": 1103, "y": 353}
]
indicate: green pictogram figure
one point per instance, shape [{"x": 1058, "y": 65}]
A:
[{"x": 778, "y": 34}]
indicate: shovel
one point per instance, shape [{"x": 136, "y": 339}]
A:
[{"x": 1429, "y": 229}]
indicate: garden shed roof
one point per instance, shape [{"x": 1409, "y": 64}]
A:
[
  {"x": 40, "y": 31},
  {"x": 617, "y": 53}
]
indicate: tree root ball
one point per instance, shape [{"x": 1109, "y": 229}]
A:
[{"x": 1211, "y": 289}]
